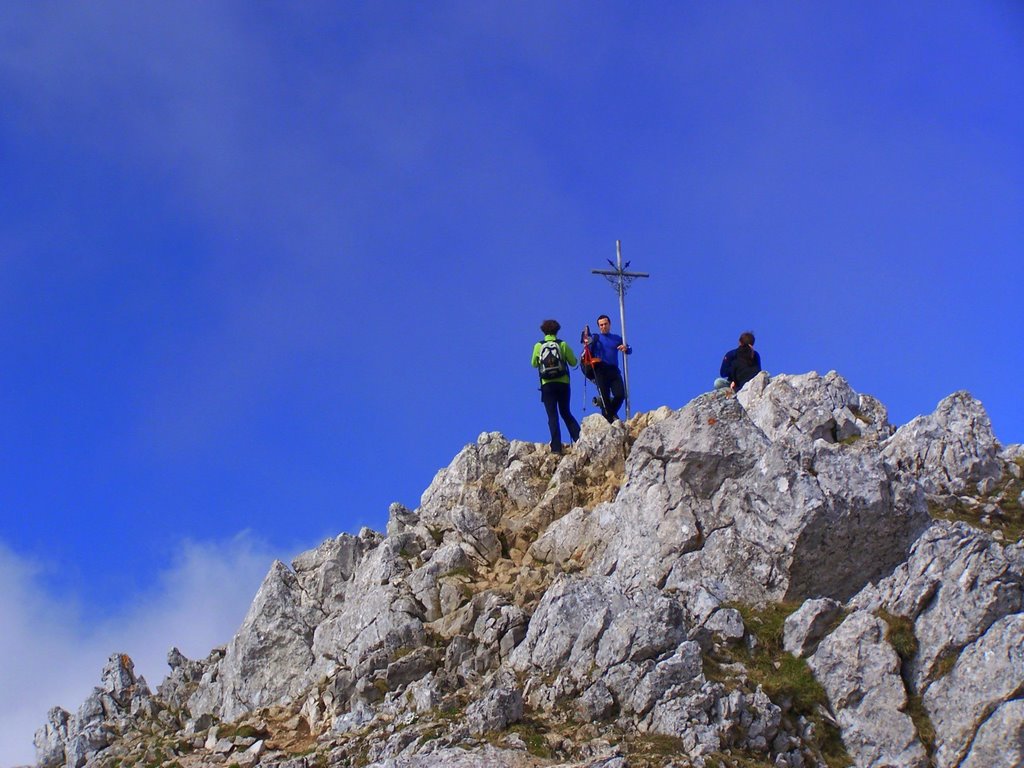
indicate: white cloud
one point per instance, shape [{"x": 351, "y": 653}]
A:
[{"x": 51, "y": 652}]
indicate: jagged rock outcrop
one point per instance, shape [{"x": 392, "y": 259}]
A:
[
  {"x": 119, "y": 701},
  {"x": 950, "y": 449},
  {"x": 812, "y": 406},
  {"x": 861, "y": 674},
  {"x": 710, "y": 498},
  {"x": 954, "y": 585},
  {"x": 960, "y": 595},
  {"x": 622, "y": 605}
]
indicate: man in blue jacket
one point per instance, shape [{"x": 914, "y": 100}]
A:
[{"x": 605, "y": 347}]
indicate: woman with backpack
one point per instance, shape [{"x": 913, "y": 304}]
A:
[{"x": 552, "y": 358}]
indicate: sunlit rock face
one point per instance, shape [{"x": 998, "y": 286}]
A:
[{"x": 779, "y": 574}]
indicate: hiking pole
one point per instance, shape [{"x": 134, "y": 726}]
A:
[
  {"x": 587, "y": 362},
  {"x": 584, "y": 362}
]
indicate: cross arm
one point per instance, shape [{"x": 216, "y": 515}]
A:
[{"x": 616, "y": 273}]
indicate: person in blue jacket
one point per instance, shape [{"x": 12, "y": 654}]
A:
[
  {"x": 739, "y": 365},
  {"x": 605, "y": 347}
]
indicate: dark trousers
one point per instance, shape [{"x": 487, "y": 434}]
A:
[
  {"x": 555, "y": 396},
  {"x": 609, "y": 381}
]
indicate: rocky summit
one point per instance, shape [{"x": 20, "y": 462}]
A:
[{"x": 777, "y": 578}]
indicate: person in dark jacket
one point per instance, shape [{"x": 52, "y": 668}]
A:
[
  {"x": 739, "y": 365},
  {"x": 554, "y": 391}
]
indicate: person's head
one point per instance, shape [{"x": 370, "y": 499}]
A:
[
  {"x": 604, "y": 323},
  {"x": 550, "y": 327},
  {"x": 747, "y": 339}
]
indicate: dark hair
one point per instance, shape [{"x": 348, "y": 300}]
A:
[
  {"x": 604, "y": 317},
  {"x": 747, "y": 339},
  {"x": 550, "y": 327},
  {"x": 745, "y": 353}
]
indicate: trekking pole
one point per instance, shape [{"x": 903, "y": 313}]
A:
[{"x": 587, "y": 360}]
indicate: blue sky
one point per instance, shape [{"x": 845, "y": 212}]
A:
[{"x": 266, "y": 267}]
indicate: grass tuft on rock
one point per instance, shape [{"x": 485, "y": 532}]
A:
[
  {"x": 944, "y": 664},
  {"x": 900, "y": 634},
  {"x": 782, "y": 675},
  {"x": 532, "y": 734},
  {"x": 786, "y": 679},
  {"x": 998, "y": 512}
]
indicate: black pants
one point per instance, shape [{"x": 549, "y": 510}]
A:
[
  {"x": 555, "y": 396},
  {"x": 609, "y": 381}
]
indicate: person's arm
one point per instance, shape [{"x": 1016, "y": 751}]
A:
[
  {"x": 535, "y": 360},
  {"x": 757, "y": 359},
  {"x": 726, "y": 370},
  {"x": 567, "y": 353}
]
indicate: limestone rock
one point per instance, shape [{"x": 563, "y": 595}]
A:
[
  {"x": 584, "y": 593},
  {"x": 1013, "y": 453},
  {"x": 954, "y": 585},
  {"x": 119, "y": 682},
  {"x": 674, "y": 469},
  {"x": 51, "y": 739},
  {"x": 805, "y": 627},
  {"x": 381, "y": 618},
  {"x": 710, "y": 500},
  {"x": 874, "y": 417},
  {"x": 727, "y": 623},
  {"x": 324, "y": 573},
  {"x": 617, "y": 627},
  {"x": 807, "y": 520},
  {"x": 184, "y": 678},
  {"x": 628, "y": 654},
  {"x": 567, "y": 539},
  {"x": 498, "y": 709},
  {"x": 987, "y": 674},
  {"x": 948, "y": 450},
  {"x": 861, "y": 675},
  {"x": 268, "y": 660},
  {"x": 587, "y": 476},
  {"x": 807, "y": 405},
  {"x": 455, "y": 757},
  {"x": 468, "y": 483},
  {"x": 75, "y": 740},
  {"x": 999, "y": 742}
]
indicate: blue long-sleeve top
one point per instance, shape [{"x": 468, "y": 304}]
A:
[
  {"x": 726, "y": 370},
  {"x": 605, "y": 347}
]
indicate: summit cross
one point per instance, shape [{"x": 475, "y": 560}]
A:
[{"x": 621, "y": 280}]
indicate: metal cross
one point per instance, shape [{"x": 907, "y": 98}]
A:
[{"x": 621, "y": 280}]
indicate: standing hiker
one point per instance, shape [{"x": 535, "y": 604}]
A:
[
  {"x": 605, "y": 348},
  {"x": 739, "y": 365},
  {"x": 552, "y": 358}
]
